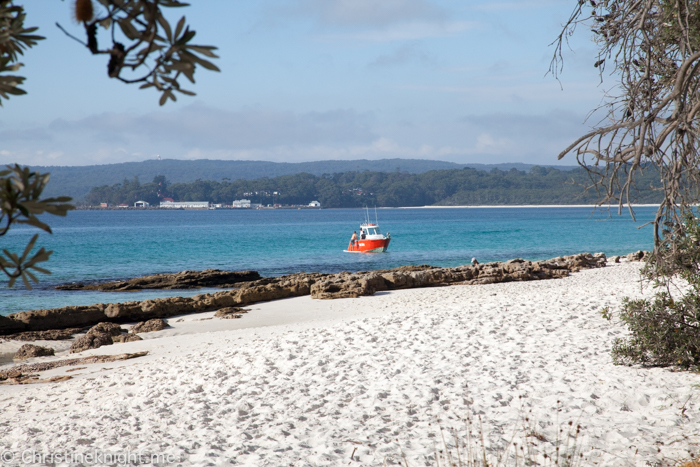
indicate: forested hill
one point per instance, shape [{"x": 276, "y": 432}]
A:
[
  {"x": 455, "y": 187},
  {"x": 77, "y": 181}
]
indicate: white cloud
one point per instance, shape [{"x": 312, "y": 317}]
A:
[
  {"x": 366, "y": 13},
  {"x": 414, "y": 30},
  {"x": 207, "y": 127},
  {"x": 377, "y": 21},
  {"x": 485, "y": 143},
  {"x": 519, "y": 5},
  {"x": 201, "y": 132}
]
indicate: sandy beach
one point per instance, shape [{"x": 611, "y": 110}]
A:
[{"x": 369, "y": 381}]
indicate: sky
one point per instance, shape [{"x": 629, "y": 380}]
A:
[{"x": 304, "y": 80}]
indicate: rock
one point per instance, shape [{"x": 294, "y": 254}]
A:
[
  {"x": 91, "y": 341},
  {"x": 61, "y": 318},
  {"x": 320, "y": 286},
  {"x": 293, "y": 285},
  {"x": 149, "y": 326},
  {"x": 50, "y": 335},
  {"x": 616, "y": 259},
  {"x": 345, "y": 285},
  {"x": 31, "y": 351},
  {"x": 9, "y": 326},
  {"x": 113, "y": 329},
  {"x": 638, "y": 255},
  {"x": 230, "y": 312},
  {"x": 180, "y": 280},
  {"x": 126, "y": 338},
  {"x": 25, "y": 370}
]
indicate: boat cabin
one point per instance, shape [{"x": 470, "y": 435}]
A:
[{"x": 371, "y": 230}]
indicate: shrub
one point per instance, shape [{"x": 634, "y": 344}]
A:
[{"x": 665, "y": 331}]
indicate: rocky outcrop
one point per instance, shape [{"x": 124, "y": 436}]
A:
[
  {"x": 91, "y": 341},
  {"x": 320, "y": 286},
  {"x": 348, "y": 285},
  {"x": 230, "y": 312},
  {"x": 151, "y": 325},
  {"x": 50, "y": 335},
  {"x": 20, "y": 374},
  {"x": 61, "y": 318},
  {"x": 638, "y": 255},
  {"x": 345, "y": 285},
  {"x": 31, "y": 351},
  {"x": 180, "y": 280},
  {"x": 112, "y": 329},
  {"x": 126, "y": 338},
  {"x": 10, "y": 326}
]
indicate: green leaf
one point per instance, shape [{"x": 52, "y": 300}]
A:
[
  {"x": 35, "y": 222},
  {"x": 128, "y": 29},
  {"x": 206, "y": 64},
  {"x": 41, "y": 270},
  {"x": 180, "y": 25},
  {"x": 186, "y": 37},
  {"x": 204, "y": 50},
  {"x": 31, "y": 276},
  {"x": 29, "y": 247},
  {"x": 166, "y": 27},
  {"x": 26, "y": 282}
]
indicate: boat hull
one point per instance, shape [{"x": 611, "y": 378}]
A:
[{"x": 369, "y": 246}]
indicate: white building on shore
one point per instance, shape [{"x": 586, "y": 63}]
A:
[
  {"x": 184, "y": 204},
  {"x": 314, "y": 204},
  {"x": 141, "y": 204},
  {"x": 241, "y": 203}
]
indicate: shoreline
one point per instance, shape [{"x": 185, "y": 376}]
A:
[
  {"x": 368, "y": 380},
  {"x": 527, "y": 206},
  {"x": 317, "y": 285},
  {"x": 303, "y": 207}
]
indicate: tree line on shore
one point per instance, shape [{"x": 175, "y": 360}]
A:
[{"x": 539, "y": 185}]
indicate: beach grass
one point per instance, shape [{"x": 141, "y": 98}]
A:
[{"x": 527, "y": 444}]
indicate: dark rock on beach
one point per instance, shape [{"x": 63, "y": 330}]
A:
[
  {"x": 9, "y": 326},
  {"x": 230, "y": 312},
  {"x": 319, "y": 286},
  {"x": 151, "y": 325},
  {"x": 91, "y": 341},
  {"x": 345, "y": 285},
  {"x": 60, "y": 318},
  {"x": 31, "y": 351},
  {"x": 126, "y": 338},
  {"x": 639, "y": 255},
  {"x": 20, "y": 374},
  {"x": 180, "y": 280},
  {"x": 348, "y": 285},
  {"x": 49, "y": 335},
  {"x": 113, "y": 329}
]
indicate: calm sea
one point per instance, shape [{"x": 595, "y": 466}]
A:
[{"x": 111, "y": 245}]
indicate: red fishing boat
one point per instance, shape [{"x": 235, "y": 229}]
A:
[{"x": 370, "y": 240}]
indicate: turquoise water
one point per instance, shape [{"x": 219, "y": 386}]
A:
[{"x": 110, "y": 245}]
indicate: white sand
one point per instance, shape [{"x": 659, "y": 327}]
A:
[{"x": 306, "y": 382}]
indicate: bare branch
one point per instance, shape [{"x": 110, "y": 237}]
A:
[{"x": 652, "y": 115}]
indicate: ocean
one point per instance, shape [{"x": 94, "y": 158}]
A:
[{"x": 92, "y": 246}]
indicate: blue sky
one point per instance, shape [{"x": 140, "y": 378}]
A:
[{"x": 303, "y": 80}]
